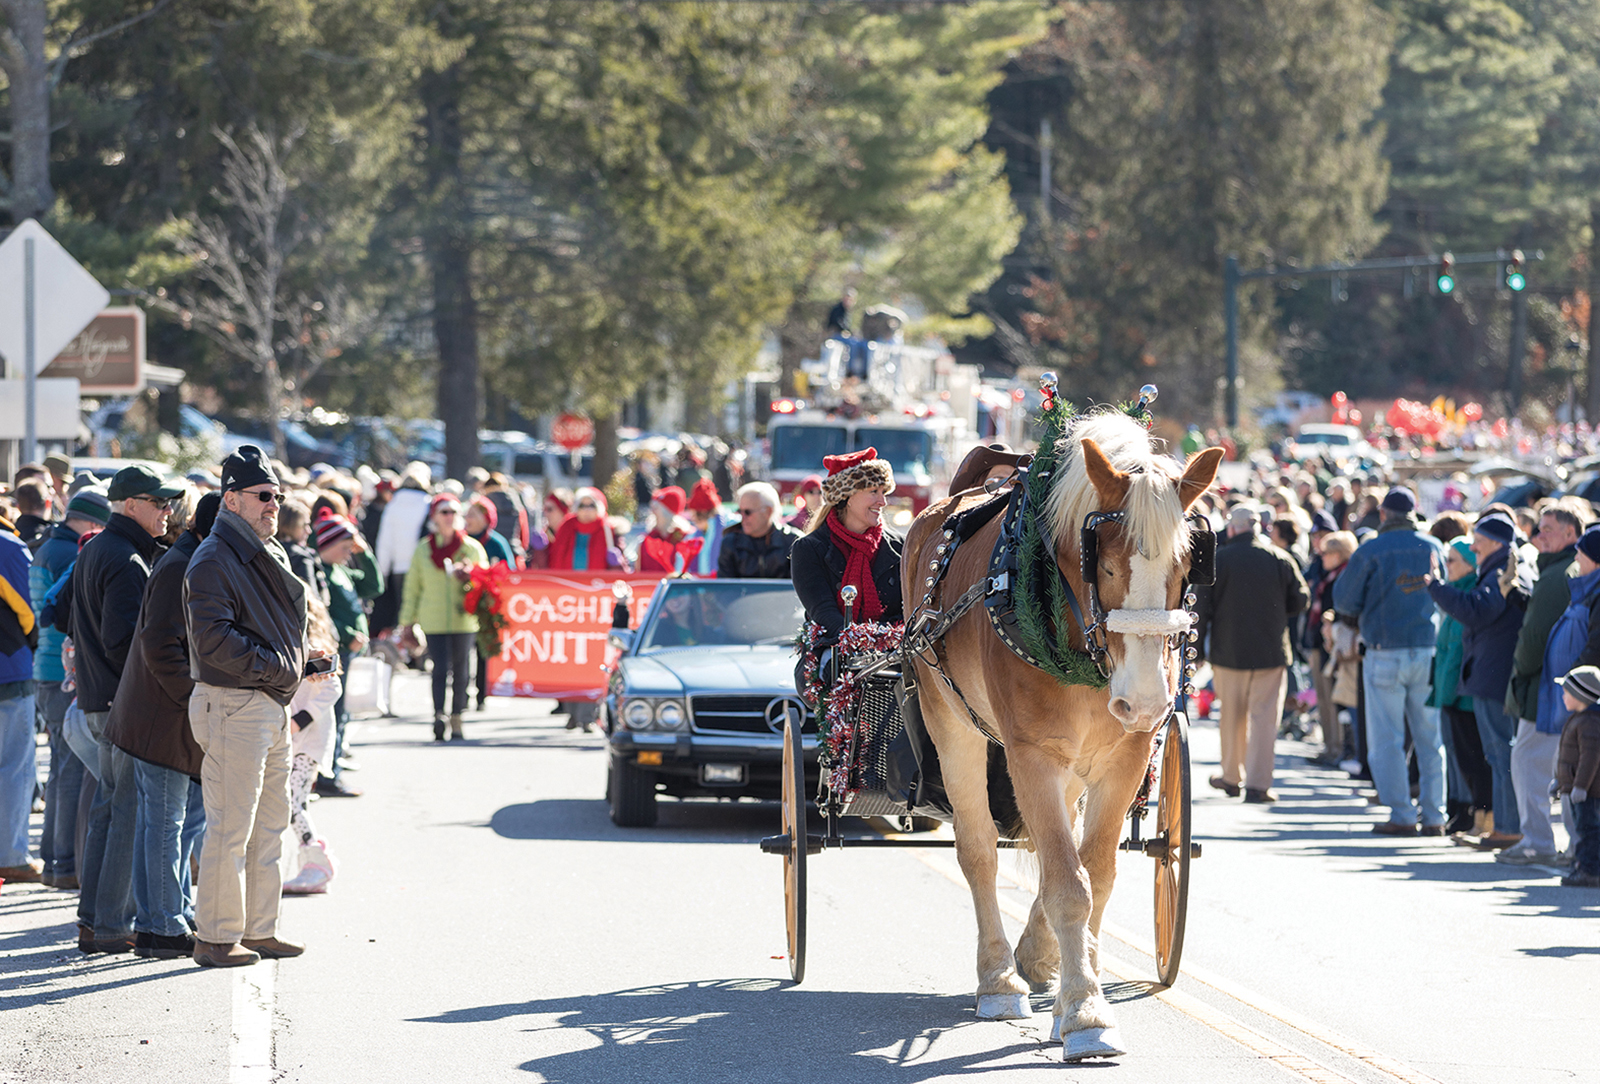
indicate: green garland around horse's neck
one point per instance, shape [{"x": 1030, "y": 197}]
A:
[{"x": 1041, "y": 605}]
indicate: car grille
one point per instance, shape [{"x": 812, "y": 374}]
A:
[{"x": 736, "y": 715}]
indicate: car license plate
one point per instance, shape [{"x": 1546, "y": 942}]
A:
[{"x": 722, "y": 773}]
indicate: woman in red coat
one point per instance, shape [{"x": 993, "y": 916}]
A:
[
  {"x": 584, "y": 540},
  {"x": 668, "y": 547}
]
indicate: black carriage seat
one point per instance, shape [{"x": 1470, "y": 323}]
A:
[{"x": 985, "y": 460}]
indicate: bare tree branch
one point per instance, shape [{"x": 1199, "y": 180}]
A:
[{"x": 75, "y": 46}]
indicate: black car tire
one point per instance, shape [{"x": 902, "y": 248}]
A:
[{"x": 632, "y": 795}]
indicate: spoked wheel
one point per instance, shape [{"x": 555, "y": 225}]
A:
[
  {"x": 1173, "y": 857},
  {"x": 794, "y": 859}
]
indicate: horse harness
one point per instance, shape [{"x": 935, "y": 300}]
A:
[{"x": 925, "y": 633}]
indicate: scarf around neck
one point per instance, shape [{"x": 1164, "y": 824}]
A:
[
  {"x": 440, "y": 554},
  {"x": 563, "y": 548},
  {"x": 859, "y": 550}
]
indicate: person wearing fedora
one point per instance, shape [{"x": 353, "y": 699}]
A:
[
  {"x": 1490, "y": 623},
  {"x": 1383, "y": 586},
  {"x": 245, "y": 613},
  {"x": 107, "y": 592}
]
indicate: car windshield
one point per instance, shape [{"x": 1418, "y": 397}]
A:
[
  {"x": 801, "y": 447},
  {"x": 907, "y": 450},
  {"x": 1313, "y": 436},
  {"x": 745, "y": 613}
]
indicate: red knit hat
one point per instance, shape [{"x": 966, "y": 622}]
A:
[
  {"x": 491, "y": 514},
  {"x": 444, "y": 499},
  {"x": 671, "y": 498},
  {"x": 332, "y": 528},
  {"x": 856, "y": 471},
  {"x": 704, "y": 497}
]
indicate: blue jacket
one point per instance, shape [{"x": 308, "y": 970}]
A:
[
  {"x": 1489, "y": 625},
  {"x": 15, "y": 665},
  {"x": 1383, "y": 586},
  {"x": 1568, "y": 638},
  {"x": 60, "y": 549}
]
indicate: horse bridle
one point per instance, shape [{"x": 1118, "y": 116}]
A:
[{"x": 1174, "y": 625}]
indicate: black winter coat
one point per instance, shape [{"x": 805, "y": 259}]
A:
[
  {"x": 150, "y": 715},
  {"x": 818, "y": 567},
  {"x": 746, "y": 558},
  {"x": 107, "y": 591},
  {"x": 1244, "y": 616}
]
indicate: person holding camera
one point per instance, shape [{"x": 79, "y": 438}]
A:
[{"x": 246, "y": 616}]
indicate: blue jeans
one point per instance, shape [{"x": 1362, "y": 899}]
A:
[
  {"x": 341, "y": 717},
  {"x": 105, "y": 876},
  {"x": 170, "y": 817},
  {"x": 1397, "y": 682},
  {"x": 1585, "y": 833},
  {"x": 1496, "y": 729},
  {"x": 58, "y": 838},
  {"x": 18, "y": 776}
]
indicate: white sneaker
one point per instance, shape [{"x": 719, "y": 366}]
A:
[
  {"x": 1512, "y": 857},
  {"x": 316, "y": 870}
]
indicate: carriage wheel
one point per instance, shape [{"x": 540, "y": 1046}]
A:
[
  {"x": 794, "y": 861},
  {"x": 1172, "y": 861}
]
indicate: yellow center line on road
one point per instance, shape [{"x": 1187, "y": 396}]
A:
[{"x": 1217, "y": 1020}]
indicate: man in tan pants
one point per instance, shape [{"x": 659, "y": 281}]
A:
[
  {"x": 1244, "y": 629},
  {"x": 246, "y": 618}
]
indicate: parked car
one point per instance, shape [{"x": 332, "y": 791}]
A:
[
  {"x": 698, "y": 700},
  {"x": 304, "y": 450},
  {"x": 536, "y": 462},
  {"x": 1342, "y": 444},
  {"x": 105, "y": 424},
  {"x": 104, "y": 469}
]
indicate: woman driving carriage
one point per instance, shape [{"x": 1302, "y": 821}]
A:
[{"x": 846, "y": 544}]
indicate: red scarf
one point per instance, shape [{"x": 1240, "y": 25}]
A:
[
  {"x": 566, "y": 542},
  {"x": 859, "y": 550},
  {"x": 441, "y": 554}
]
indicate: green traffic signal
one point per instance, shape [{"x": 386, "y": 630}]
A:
[
  {"x": 1516, "y": 281},
  {"x": 1446, "y": 283}
]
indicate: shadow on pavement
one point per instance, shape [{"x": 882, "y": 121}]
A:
[
  {"x": 678, "y": 822},
  {"x": 701, "y": 1031}
]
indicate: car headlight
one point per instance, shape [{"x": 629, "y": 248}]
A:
[
  {"x": 669, "y": 716},
  {"x": 637, "y": 714}
]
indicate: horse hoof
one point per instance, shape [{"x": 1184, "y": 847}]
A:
[
  {"x": 1091, "y": 1043},
  {"x": 1055, "y": 1029},
  {"x": 1003, "y": 1007}
]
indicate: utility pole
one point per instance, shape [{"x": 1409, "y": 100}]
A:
[{"x": 1230, "y": 287}]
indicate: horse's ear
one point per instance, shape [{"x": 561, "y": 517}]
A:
[
  {"x": 1198, "y": 474},
  {"x": 1110, "y": 483}
]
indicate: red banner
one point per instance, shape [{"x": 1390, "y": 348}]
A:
[{"x": 556, "y": 644}]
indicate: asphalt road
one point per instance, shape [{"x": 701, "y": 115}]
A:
[{"x": 488, "y": 923}]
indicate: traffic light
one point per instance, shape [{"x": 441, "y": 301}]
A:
[
  {"x": 1445, "y": 280},
  {"x": 1516, "y": 281}
]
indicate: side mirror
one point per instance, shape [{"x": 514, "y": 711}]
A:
[{"x": 621, "y": 639}]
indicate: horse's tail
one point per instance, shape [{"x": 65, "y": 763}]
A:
[{"x": 1003, "y": 798}]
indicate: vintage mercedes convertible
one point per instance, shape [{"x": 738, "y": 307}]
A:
[{"x": 697, "y": 703}]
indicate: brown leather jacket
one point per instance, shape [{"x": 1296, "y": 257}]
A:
[
  {"x": 246, "y": 612},
  {"x": 150, "y": 713}
]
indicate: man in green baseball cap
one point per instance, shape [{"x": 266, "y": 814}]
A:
[{"x": 141, "y": 481}]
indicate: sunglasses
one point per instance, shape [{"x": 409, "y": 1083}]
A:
[
  {"x": 164, "y": 505},
  {"x": 265, "y": 495},
  {"x": 748, "y": 511},
  {"x": 588, "y": 504}
]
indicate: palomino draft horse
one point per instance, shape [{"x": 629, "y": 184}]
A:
[{"x": 1062, "y": 742}]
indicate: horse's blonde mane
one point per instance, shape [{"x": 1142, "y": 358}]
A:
[{"x": 1155, "y": 517}]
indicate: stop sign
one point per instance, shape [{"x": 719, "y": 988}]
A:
[{"x": 572, "y": 431}]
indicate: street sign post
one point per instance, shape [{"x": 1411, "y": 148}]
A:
[
  {"x": 572, "y": 431},
  {"x": 46, "y": 299}
]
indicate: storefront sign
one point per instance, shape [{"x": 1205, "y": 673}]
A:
[{"x": 107, "y": 356}]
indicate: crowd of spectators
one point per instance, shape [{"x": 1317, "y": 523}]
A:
[{"x": 1434, "y": 655}]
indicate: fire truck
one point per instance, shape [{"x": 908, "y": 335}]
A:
[{"x": 913, "y": 404}]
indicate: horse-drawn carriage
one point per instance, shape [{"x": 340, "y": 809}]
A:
[{"x": 1026, "y": 717}]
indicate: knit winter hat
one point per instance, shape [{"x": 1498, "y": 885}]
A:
[
  {"x": 671, "y": 498},
  {"x": 444, "y": 500},
  {"x": 1463, "y": 550},
  {"x": 90, "y": 504},
  {"x": 1589, "y": 543},
  {"x": 333, "y": 528},
  {"x": 1496, "y": 526},
  {"x": 246, "y": 467},
  {"x": 1400, "y": 499},
  {"x": 1582, "y": 682},
  {"x": 704, "y": 497},
  {"x": 491, "y": 514},
  {"x": 851, "y": 473}
]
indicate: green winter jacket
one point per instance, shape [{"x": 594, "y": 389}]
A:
[
  {"x": 1447, "y": 654},
  {"x": 435, "y": 600},
  {"x": 347, "y": 586},
  {"x": 1546, "y": 604}
]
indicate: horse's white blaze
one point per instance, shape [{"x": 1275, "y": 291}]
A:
[{"x": 1141, "y": 694}]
